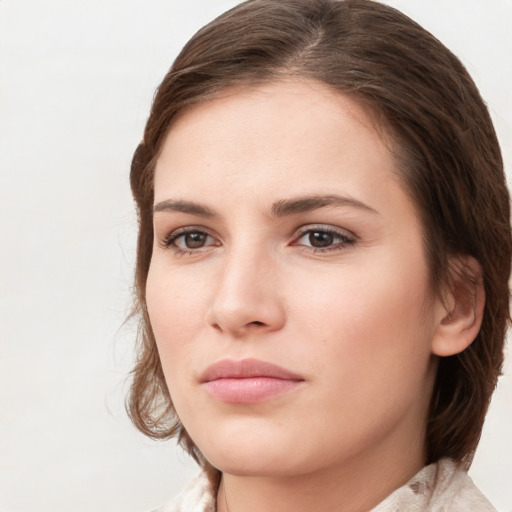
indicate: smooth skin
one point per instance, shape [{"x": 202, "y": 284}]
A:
[{"x": 283, "y": 233}]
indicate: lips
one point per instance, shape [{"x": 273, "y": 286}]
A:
[{"x": 248, "y": 381}]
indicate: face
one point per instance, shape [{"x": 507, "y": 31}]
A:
[{"x": 288, "y": 289}]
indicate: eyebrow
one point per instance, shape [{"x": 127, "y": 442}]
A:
[
  {"x": 280, "y": 208},
  {"x": 170, "y": 205},
  {"x": 305, "y": 204}
]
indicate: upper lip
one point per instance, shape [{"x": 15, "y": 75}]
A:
[{"x": 246, "y": 368}]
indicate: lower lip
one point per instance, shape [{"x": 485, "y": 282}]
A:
[{"x": 249, "y": 390}]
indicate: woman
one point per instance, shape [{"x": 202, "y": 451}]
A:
[{"x": 323, "y": 257}]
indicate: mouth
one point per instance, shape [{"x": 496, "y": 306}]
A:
[{"x": 248, "y": 381}]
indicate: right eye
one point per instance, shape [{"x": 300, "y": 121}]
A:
[{"x": 188, "y": 240}]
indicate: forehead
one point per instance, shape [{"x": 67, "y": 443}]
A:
[{"x": 284, "y": 131}]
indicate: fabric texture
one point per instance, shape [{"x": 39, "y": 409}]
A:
[{"x": 440, "y": 487}]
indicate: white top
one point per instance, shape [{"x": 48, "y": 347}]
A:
[{"x": 441, "y": 487}]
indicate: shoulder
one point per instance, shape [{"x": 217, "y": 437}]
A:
[
  {"x": 197, "y": 496},
  {"x": 441, "y": 487}
]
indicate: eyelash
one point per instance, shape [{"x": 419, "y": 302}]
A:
[
  {"x": 344, "y": 240},
  {"x": 169, "y": 242}
]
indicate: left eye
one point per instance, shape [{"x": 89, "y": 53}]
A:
[{"x": 324, "y": 239}]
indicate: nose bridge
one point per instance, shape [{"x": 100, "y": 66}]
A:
[{"x": 247, "y": 294}]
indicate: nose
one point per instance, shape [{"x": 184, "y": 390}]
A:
[{"x": 247, "y": 298}]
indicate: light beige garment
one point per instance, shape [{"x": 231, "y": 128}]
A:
[{"x": 440, "y": 487}]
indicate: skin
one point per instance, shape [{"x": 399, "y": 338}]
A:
[{"x": 357, "y": 320}]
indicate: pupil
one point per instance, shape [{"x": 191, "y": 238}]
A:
[
  {"x": 195, "y": 240},
  {"x": 320, "y": 239}
]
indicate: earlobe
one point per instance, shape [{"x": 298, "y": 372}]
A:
[{"x": 462, "y": 308}]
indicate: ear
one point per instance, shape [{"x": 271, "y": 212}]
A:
[{"x": 461, "y": 308}]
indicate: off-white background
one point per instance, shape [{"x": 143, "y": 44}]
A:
[{"x": 76, "y": 81}]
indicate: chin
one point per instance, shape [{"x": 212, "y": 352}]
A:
[
  {"x": 251, "y": 454},
  {"x": 257, "y": 466}
]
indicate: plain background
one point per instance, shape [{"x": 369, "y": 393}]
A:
[{"x": 76, "y": 82}]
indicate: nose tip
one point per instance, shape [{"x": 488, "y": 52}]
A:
[
  {"x": 246, "y": 301},
  {"x": 244, "y": 318}
]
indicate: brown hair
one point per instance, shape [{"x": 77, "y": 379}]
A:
[{"x": 446, "y": 151}]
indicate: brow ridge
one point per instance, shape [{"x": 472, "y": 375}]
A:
[
  {"x": 280, "y": 208},
  {"x": 171, "y": 205},
  {"x": 285, "y": 207}
]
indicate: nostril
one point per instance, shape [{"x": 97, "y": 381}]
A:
[{"x": 257, "y": 322}]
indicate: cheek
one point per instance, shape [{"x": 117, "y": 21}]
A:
[
  {"x": 176, "y": 306},
  {"x": 368, "y": 315},
  {"x": 368, "y": 347}
]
